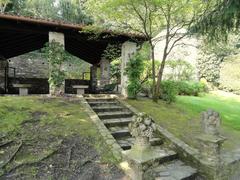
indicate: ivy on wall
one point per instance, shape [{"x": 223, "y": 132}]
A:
[
  {"x": 134, "y": 70},
  {"x": 56, "y": 57}
]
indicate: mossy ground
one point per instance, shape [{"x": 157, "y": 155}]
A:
[
  {"x": 182, "y": 118},
  {"x": 42, "y": 126}
]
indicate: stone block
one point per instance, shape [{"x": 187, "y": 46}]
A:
[{"x": 23, "y": 91}]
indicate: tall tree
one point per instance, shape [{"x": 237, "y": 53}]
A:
[
  {"x": 73, "y": 11},
  {"x": 67, "y": 10},
  {"x": 221, "y": 20},
  {"x": 149, "y": 18}
]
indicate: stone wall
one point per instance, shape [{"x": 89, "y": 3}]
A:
[
  {"x": 29, "y": 67},
  {"x": 35, "y": 65}
]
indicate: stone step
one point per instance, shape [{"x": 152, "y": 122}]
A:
[
  {"x": 108, "y": 108},
  {"x": 114, "y": 115},
  {"x": 119, "y": 133},
  {"x": 96, "y": 96},
  {"x": 126, "y": 143},
  {"x": 103, "y": 103},
  {"x": 117, "y": 122},
  {"x": 157, "y": 156},
  {"x": 100, "y": 99},
  {"x": 175, "y": 170}
]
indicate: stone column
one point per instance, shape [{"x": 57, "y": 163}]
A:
[
  {"x": 57, "y": 37},
  {"x": 105, "y": 71},
  {"x": 142, "y": 157},
  {"x": 211, "y": 143},
  {"x": 128, "y": 50},
  {"x": 3, "y": 66},
  {"x": 93, "y": 77}
]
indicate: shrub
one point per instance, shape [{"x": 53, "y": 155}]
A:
[
  {"x": 134, "y": 71},
  {"x": 168, "y": 91},
  {"x": 190, "y": 88},
  {"x": 179, "y": 70}
]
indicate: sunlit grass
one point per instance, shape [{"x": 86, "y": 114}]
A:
[{"x": 182, "y": 118}]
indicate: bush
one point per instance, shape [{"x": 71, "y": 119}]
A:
[
  {"x": 134, "y": 71},
  {"x": 168, "y": 91},
  {"x": 179, "y": 70},
  {"x": 190, "y": 88}
]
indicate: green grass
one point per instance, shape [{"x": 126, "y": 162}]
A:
[{"x": 183, "y": 117}]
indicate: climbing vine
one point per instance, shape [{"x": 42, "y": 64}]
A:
[
  {"x": 112, "y": 51},
  {"x": 134, "y": 70},
  {"x": 56, "y": 57}
]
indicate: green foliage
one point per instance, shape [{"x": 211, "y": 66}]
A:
[
  {"x": 180, "y": 70},
  {"x": 212, "y": 55},
  {"x": 66, "y": 10},
  {"x": 56, "y": 56},
  {"x": 230, "y": 74},
  {"x": 168, "y": 91},
  {"x": 115, "y": 70},
  {"x": 223, "y": 17},
  {"x": 112, "y": 51},
  {"x": 134, "y": 70},
  {"x": 190, "y": 88},
  {"x": 73, "y": 11}
]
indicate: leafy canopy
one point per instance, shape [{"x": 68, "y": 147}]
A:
[
  {"x": 222, "y": 19},
  {"x": 134, "y": 15}
]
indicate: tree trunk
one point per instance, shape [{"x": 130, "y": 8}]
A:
[
  {"x": 160, "y": 75},
  {"x": 165, "y": 54},
  {"x": 154, "y": 95}
]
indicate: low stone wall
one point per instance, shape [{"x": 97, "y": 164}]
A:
[
  {"x": 41, "y": 86},
  {"x": 103, "y": 131},
  {"x": 232, "y": 167}
]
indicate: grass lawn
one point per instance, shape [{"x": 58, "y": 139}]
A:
[
  {"x": 183, "y": 117},
  {"x": 50, "y": 135}
]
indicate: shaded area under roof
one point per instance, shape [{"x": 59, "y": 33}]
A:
[{"x": 20, "y": 35}]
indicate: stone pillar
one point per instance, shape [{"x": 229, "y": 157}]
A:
[
  {"x": 211, "y": 142},
  {"x": 142, "y": 157},
  {"x": 105, "y": 71},
  {"x": 93, "y": 77},
  {"x": 128, "y": 50},
  {"x": 3, "y": 66},
  {"x": 57, "y": 37}
]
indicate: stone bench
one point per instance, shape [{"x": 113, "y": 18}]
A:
[
  {"x": 23, "y": 88},
  {"x": 80, "y": 88}
]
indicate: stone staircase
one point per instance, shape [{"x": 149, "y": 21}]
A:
[{"x": 116, "y": 118}]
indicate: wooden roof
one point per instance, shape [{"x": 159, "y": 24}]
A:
[{"x": 19, "y": 35}]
